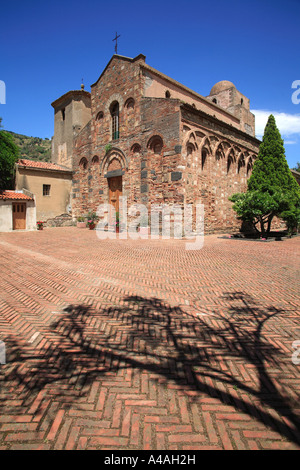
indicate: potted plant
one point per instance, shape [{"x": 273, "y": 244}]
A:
[
  {"x": 117, "y": 222},
  {"x": 91, "y": 224},
  {"x": 92, "y": 220},
  {"x": 40, "y": 225},
  {"x": 80, "y": 222}
]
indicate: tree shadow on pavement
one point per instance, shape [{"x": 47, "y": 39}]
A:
[{"x": 224, "y": 355}]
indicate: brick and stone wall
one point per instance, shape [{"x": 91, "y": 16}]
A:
[
  {"x": 167, "y": 151},
  {"x": 216, "y": 163}
]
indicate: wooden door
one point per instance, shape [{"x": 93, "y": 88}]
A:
[
  {"x": 19, "y": 215},
  {"x": 115, "y": 191}
]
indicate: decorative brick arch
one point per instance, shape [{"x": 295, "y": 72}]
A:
[
  {"x": 191, "y": 149},
  {"x": 191, "y": 142},
  {"x": 249, "y": 164},
  {"x": 155, "y": 142},
  {"x": 129, "y": 103},
  {"x": 200, "y": 135},
  {"x": 190, "y": 137},
  {"x": 231, "y": 158},
  {"x": 219, "y": 151},
  {"x": 237, "y": 152},
  {"x": 83, "y": 164},
  {"x": 99, "y": 116},
  {"x": 191, "y": 146},
  {"x": 95, "y": 160},
  {"x": 115, "y": 97},
  {"x": 205, "y": 151},
  {"x": 241, "y": 162},
  {"x": 115, "y": 157},
  {"x": 135, "y": 148}
]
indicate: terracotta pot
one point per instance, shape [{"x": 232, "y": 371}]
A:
[{"x": 81, "y": 224}]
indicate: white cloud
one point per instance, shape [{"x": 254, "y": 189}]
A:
[{"x": 288, "y": 124}]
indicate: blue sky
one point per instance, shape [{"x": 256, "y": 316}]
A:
[{"x": 48, "y": 47}]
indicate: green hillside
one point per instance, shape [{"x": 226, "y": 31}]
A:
[{"x": 33, "y": 148}]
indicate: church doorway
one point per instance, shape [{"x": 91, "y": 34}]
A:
[{"x": 115, "y": 191}]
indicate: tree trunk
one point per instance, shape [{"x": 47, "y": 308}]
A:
[
  {"x": 269, "y": 223},
  {"x": 262, "y": 227}
]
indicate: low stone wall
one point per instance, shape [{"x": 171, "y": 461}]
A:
[{"x": 63, "y": 220}]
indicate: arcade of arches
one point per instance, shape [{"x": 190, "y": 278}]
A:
[{"x": 156, "y": 142}]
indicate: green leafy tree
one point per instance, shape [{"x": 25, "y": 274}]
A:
[
  {"x": 292, "y": 218},
  {"x": 272, "y": 189},
  {"x": 297, "y": 167},
  {"x": 9, "y": 154}
]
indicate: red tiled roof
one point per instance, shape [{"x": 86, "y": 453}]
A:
[
  {"x": 42, "y": 165},
  {"x": 14, "y": 195}
]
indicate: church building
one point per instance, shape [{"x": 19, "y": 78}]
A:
[{"x": 143, "y": 135}]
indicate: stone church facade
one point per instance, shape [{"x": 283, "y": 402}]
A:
[{"x": 142, "y": 135}]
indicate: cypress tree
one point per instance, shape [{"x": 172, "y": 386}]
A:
[
  {"x": 272, "y": 189},
  {"x": 270, "y": 170}
]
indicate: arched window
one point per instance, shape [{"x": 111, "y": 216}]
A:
[
  {"x": 214, "y": 100},
  {"x": 155, "y": 144},
  {"x": 83, "y": 163},
  {"x": 204, "y": 154},
  {"x": 114, "y": 111},
  {"x": 190, "y": 148},
  {"x": 129, "y": 105},
  {"x": 136, "y": 148},
  {"x": 99, "y": 116},
  {"x": 168, "y": 94},
  {"x": 241, "y": 163},
  {"x": 219, "y": 152},
  {"x": 190, "y": 151},
  {"x": 95, "y": 159},
  {"x": 230, "y": 160},
  {"x": 249, "y": 166}
]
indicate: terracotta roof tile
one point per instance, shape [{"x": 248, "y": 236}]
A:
[
  {"x": 14, "y": 195},
  {"x": 42, "y": 165}
]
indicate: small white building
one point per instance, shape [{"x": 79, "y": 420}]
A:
[{"x": 17, "y": 211}]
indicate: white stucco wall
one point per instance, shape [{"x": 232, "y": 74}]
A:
[
  {"x": 5, "y": 216},
  {"x": 6, "y": 219},
  {"x": 30, "y": 215}
]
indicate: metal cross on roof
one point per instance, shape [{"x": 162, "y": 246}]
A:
[{"x": 116, "y": 46}]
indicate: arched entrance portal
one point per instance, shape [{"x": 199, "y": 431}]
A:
[
  {"x": 115, "y": 192},
  {"x": 113, "y": 168}
]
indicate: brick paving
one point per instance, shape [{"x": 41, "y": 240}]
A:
[{"x": 121, "y": 344}]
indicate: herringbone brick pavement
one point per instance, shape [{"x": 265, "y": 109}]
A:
[{"x": 121, "y": 344}]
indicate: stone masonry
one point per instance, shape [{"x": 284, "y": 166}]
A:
[{"x": 168, "y": 144}]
